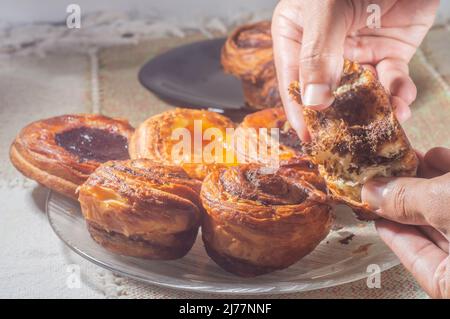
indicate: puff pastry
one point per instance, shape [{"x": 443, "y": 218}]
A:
[
  {"x": 247, "y": 54},
  {"x": 358, "y": 138},
  {"x": 286, "y": 141},
  {"x": 141, "y": 209},
  {"x": 61, "y": 152},
  {"x": 259, "y": 220},
  {"x": 157, "y": 137}
]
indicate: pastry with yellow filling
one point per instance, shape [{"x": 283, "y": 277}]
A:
[
  {"x": 278, "y": 136},
  {"x": 196, "y": 140}
]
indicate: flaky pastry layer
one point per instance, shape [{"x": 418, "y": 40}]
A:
[
  {"x": 259, "y": 220},
  {"x": 141, "y": 209},
  {"x": 37, "y": 155}
]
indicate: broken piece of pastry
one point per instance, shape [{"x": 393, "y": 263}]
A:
[
  {"x": 248, "y": 55},
  {"x": 357, "y": 137},
  {"x": 184, "y": 137}
]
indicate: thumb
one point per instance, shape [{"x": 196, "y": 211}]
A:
[
  {"x": 407, "y": 200},
  {"x": 322, "y": 52}
]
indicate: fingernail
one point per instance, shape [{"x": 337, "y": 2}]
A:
[
  {"x": 317, "y": 95},
  {"x": 373, "y": 193}
]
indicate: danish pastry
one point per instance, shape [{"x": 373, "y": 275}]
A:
[
  {"x": 358, "y": 138},
  {"x": 247, "y": 54},
  {"x": 141, "y": 209},
  {"x": 184, "y": 137},
  {"x": 62, "y": 151},
  {"x": 284, "y": 139},
  {"x": 260, "y": 219}
]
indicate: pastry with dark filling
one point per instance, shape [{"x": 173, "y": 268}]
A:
[
  {"x": 184, "y": 137},
  {"x": 141, "y": 209},
  {"x": 247, "y": 54},
  {"x": 357, "y": 138},
  {"x": 61, "y": 152},
  {"x": 260, "y": 219}
]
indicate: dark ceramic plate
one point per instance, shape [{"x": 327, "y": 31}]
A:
[{"x": 191, "y": 76}]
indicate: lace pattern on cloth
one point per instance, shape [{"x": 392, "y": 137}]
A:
[{"x": 105, "y": 29}]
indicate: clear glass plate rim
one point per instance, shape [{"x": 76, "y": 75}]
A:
[{"x": 220, "y": 288}]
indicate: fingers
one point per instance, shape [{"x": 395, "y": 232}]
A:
[
  {"x": 438, "y": 158},
  {"x": 394, "y": 76},
  {"x": 401, "y": 109},
  {"x": 286, "y": 36},
  {"x": 371, "y": 68},
  {"x": 419, "y": 255},
  {"x": 322, "y": 52},
  {"x": 294, "y": 115},
  {"x": 398, "y": 199},
  {"x": 436, "y": 237},
  {"x": 424, "y": 169},
  {"x": 372, "y": 49},
  {"x": 414, "y": 201}
]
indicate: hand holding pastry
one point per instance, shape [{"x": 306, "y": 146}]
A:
[
  {"x": 417, "y": 224},
  {"x": 311, "y": 39},
  {"x": 358, "y": 138}
]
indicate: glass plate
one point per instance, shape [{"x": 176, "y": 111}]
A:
[{"x": 339, "y": 259}]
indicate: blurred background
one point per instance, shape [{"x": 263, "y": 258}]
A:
[
  {"x": 184, "y": 11},
  {"x": 26, "y": 11}
]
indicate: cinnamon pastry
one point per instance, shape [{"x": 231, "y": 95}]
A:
[
  {"x": 259, "y": 220},
  {"x": 247, "y": 54},
  {"x": 358, "y": 138},
  {"x": 61, "y": 152},
  {"x": 141, "y": 209},
  {"x": 286, "y": 140},
  {"x": 179, "y": 137}
]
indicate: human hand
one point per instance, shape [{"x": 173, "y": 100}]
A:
[
  {"x": 416, "y": 224},
  {"x": 311, "y": 39}
]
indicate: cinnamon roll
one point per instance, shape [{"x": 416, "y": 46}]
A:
[
  {"x": 358, "y": 138},
  {"x": 260, "y": 219},
  {"x": 247, "y": 54},
  {"x": 141, "y": 209},
  {"x": 184, "y": 137},
  {"x": 61, "y": 152}
]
